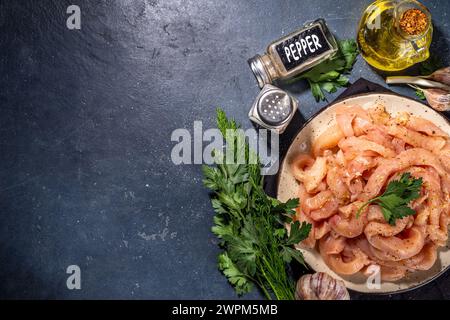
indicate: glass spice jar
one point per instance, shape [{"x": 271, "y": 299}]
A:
[{"x": 294, "y": 53}]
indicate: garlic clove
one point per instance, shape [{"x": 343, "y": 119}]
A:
[
  {"x": 441, "y": 75},
  {"x": 438, "y": 99},
  {"x": 320, "y": 286}
]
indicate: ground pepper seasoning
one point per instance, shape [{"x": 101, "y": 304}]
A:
[{"x": 414, "y": 22}]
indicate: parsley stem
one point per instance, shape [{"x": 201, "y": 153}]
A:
[
  {"x": 286, "y": 295},
  {"x": 358, "y": 213},
  {"x": 274, "y": 288},
  {"x": 263, "y": 288}
]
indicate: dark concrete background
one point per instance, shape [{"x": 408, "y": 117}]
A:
[{"x": 85, "y": 124}]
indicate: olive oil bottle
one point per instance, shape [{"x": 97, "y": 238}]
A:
[{"x": 395, "y": 34}]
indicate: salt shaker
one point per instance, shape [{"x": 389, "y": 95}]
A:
[{"x": 273, "y": 109}]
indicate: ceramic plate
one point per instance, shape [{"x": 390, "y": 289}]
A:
[{"x": 287, "y": 185}]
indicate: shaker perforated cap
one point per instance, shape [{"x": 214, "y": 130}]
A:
[{"x": 275, "y": 107}]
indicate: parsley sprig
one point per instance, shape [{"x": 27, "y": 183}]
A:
[
  {"x": 420, "y": 94},
  {"x": 329, "y": 75},
  {"x": 395, "y": 199},
  {"x": 250, "y": 224},
  {"x": 426, "y": 68}
]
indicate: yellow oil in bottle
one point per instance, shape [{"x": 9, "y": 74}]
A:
[{"x": 383, "y": 44}]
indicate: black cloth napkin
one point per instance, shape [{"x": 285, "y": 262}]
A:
[{"x": 437, "y": 289}]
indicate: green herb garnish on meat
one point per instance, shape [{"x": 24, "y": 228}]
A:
[
  {"x": 394, "y": 201},
  {"x": 250, "y": 224}
]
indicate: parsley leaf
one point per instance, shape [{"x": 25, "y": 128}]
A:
[
  {"x": 299, "y": 232},
  {"x": 240, "y": 282},
  {"x": 316, "y": 90},
  {"x": 395, "y": 199},
  {"x": 288, "y": 254},
  {"x": 420, "y": 94},
  {"x": 328, "y": 76}
]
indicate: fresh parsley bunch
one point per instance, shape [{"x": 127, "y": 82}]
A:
[
  {"x": 250, "y": 224},
  {"x": 330, "y": 74}
]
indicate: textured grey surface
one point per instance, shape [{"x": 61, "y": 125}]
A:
[{"x": 85, "y": 124}]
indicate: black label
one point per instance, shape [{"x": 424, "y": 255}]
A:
[{"x": 301, "y": 47}]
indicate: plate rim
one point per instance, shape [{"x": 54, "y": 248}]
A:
[{"x": 379, "y": 95}]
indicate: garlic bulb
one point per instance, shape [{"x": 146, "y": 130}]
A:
[
  {"x": 320, "y": 286},
  {"x": 438, "y": 99},
  {"x": 441, "y": 75}
]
